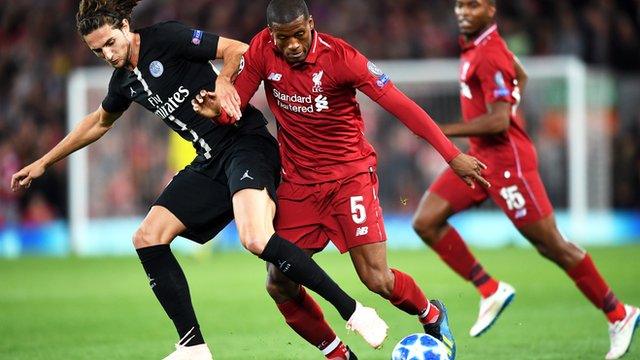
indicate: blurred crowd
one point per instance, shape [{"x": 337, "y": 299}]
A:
[{"x": 39, "y": 47}]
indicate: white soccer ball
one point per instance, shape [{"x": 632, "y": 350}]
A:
[{"x": 420, "y": 347}]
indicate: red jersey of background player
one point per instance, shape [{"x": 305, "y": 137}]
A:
[
  {"x": 487, "y": 75},
  {"x": 320, "y": 128}
]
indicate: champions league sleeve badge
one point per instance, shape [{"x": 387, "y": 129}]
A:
[
  {"x": 383, "y": 79},
  {"x": 196, "y": 38},
  {"x": 156, "y": 69},
  {"x": 501, "y": 87}
]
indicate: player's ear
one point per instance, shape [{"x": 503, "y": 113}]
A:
[
  {"x": 311, "y": 23},
  {"x": 492, "y": 10},
  {"x": 273, "y": 36},
  {"x": 125, "y": 25}
]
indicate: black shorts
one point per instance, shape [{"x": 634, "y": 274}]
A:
[{"x": 200, "y": 194}]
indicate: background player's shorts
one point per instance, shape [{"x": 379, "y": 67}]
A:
[
  {"x": 521, "y": 197},
  {"x": 346, "y": 212},
  {"x": 200, "y": 194}
]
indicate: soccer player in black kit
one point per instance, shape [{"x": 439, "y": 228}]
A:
[{"x": 234, "y": 175}]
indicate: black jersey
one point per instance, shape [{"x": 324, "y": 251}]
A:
[{"x": 173, "y": 66}]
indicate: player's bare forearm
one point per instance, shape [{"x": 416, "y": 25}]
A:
[
  {"x": 90, "y": 129},
  {"x": 494, "y": 122},
  {"x": 230, "y": 51}
]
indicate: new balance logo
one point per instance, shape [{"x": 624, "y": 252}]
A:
[
  {"x": 274, "y": 77},
  {"x": 361, "y": 231},
  {"x": 246, "y": 176}
]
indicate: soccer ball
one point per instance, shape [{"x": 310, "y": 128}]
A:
[{"x": 420, "y": 347}]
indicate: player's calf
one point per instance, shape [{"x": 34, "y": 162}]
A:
[{"x": 379, "y": 281}]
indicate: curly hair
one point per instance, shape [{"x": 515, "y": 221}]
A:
[{"x": 93, "y": 14}]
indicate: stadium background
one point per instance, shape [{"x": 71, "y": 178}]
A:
[
  {"x": 39, "y": 49},
  {"x": 62, "y": 306}
]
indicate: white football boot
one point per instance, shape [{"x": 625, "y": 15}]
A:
[
  {"x": 184, "y": 352},
  {"x": 366, "y": 322},
  {"x": 492, "y": 307},
  {"x": 621, "y": 332}
]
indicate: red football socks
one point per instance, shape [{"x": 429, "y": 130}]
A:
[
  {"x": 339, "y": 353},
  {"x": 593, "y": 286},
  {"x": 453, "y": 251},
  {"x": 429, "y": 315},
  {"x": 408, "y": 297},
  {"x": 305, "y": 317}
]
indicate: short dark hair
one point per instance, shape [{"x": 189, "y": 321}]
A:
[
  {"x": 93, "y": 14},
  {"x": 286, "y": 11}
]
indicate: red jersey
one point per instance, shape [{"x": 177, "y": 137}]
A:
[
  {"x": 320, "y": 127},
  {"x": 488, "y": 75}
]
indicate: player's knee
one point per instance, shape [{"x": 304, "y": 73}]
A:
[
  {"x": 426, "y": 228},
  {"x": 143, "y": 237},
  {"x": 254, "y": 244},
  {"x": 252, "y": 240}
]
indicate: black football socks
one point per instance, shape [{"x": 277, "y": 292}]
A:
[
  {"x": 170, "y": 287},
  {"x": 301, "y": 268}
]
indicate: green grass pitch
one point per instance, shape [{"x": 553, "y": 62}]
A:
[{"x": 102, "y": 308}]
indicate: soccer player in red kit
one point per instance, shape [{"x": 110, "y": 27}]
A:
[
  {"x": 491, "y": 80},
  {"x": 329, "y": 188}
]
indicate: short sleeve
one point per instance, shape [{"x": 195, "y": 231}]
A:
[
  {"x": 361, "y": 73},
  {"x": 192, "y": 44},
  {"x": 496, "y": 74},
  {"x": 114, "y": 102}
]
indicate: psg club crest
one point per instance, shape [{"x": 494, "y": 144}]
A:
[{"x": 156, "y": 69}]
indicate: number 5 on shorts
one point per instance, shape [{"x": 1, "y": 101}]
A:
[{"x": 358, "y": 211}]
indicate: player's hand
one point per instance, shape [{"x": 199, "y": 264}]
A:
[
  {"x": 22, "y": 179},
  {"x": 206, "y": 104},
  {"x": 469, "y": 169},
  {"x": 228, "y": 97}
]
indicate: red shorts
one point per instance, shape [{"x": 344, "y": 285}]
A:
[
  {"x": 521, "y": 196},
  {"x": 346, "y": 212}
]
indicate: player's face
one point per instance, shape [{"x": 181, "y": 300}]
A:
[
  {"x": 293, "y": 39},
  {"x": 473, "y": 16},
  {"x": 110, "y": 44}
]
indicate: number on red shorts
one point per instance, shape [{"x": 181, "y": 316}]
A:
[{"x": 358, "y": 211}]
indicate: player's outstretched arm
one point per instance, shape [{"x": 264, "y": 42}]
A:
[
  {"x": 230, "y": 51},
  {"x": 495, "y": 121},
  {"x": 90, "y": 129},
  {"x": 468, "y": 168}
]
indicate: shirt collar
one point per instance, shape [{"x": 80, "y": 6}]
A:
[
  {"x": 312, "y": 56},
  {"x": 468, "y": 45}
]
